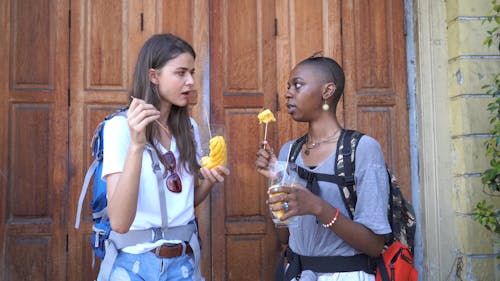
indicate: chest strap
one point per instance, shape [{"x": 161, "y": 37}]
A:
[
  {"x": 134, "y": 237},
  {"x": 330, "y": 264}
]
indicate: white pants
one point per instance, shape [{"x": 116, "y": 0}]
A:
[{"x": 308, "y": 275}]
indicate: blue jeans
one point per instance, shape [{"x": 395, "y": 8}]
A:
[{"x": 147, "y": 266}]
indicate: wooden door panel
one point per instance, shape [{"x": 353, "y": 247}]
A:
[
  {"x": 189, "y": 20},
  {"x": 243, "y": 65},
  {"x": 34, "y": 113},
  {"x": 375, "y": 64},
  {"x": 304, "y": 28},
  {"x": 105, "y": 38}
]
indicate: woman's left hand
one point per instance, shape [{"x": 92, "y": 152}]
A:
[
  {"x": 217, "y": 174},
  {"x": 300, "y": 201}
]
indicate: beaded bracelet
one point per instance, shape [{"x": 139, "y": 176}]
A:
[{"x": 328, "y": 225}]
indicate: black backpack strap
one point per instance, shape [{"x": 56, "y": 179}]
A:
[
  {"x": 311, "y": 178},
  {"x": 382, "y": 269},
  {"x": 344, "y": 167},
  {"x": 296, "y": 147},
  {"x": 298, "y": 263}
]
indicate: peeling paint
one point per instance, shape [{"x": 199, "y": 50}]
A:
[{"x": 460, "y": 78}]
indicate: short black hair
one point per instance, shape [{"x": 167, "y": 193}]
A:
[{"x": 332, "y": 71}]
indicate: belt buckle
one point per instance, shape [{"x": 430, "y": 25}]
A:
[
  {"x": 171, "y": 247},
  {"x": 158, "y": 250}
]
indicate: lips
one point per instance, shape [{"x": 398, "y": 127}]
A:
[{"x": 290, "y": 107}]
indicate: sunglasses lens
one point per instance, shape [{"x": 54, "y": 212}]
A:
[{"x": 174, "y": 184}]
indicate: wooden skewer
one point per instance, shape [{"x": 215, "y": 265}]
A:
[
  {"x": 208, "y": 124},
  {"x": 265, "y": 133}
]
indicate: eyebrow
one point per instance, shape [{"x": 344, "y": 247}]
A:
[
  {"x": 183, "y": 68},
  {"x": 294, "y": 79}
]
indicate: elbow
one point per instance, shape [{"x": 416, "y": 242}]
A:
[
  {"x": 375, "y": 253},
  {"x": 119, "y": 228},
  {"x": 377, "y": 247}
]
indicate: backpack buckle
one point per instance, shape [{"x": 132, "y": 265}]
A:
[
  {"x": 99, "y": 155},
  {"x": 349, "y": 180},
  {"x": 346, "y": 152}
]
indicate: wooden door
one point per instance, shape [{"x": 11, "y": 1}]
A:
[
  {"x": 243, "y": 81},
  {"x": 33, "y": 139},
  {"x": 367, "y": 39},
  {"x": 304, "y": 28},
  {"x": 105, "y": 39},
  {"x": 189, "y": 20},
  {"x": 374, "y": 60}
]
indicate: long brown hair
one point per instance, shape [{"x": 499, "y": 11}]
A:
[{"x": 154, "y": 54}]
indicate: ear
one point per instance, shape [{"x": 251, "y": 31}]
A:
[
  {"x": 153, "y": 76},
  {"x": 329, "y": 89}
]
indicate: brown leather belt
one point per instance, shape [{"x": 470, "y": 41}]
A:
[{"x": 171, "y": 251}]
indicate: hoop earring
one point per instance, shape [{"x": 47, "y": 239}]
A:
[{"x": 325, "y": 106}]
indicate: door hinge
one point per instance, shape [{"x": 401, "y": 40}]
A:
[
  {"x": 142, "y": 21},
  {"x": 69, "y": 97},
  {"x": 67, "y": 243},
  {"x": 69, "y": 18},
  {"x": 275, "y": 27},
  {"x": 277, "y": 103}
]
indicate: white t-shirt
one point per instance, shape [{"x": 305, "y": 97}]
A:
[{"x": 180, "y": 206}]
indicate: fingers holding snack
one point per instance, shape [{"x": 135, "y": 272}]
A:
[
  {"x": 264, "y": 157},
  {"x": 139, "y": 115},
  {"x": 214, "y": 175}
]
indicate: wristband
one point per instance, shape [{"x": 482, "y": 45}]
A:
[{"x": 332, "y": 222}]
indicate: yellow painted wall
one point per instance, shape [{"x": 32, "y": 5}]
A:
[{"x": 470, "y": 66}]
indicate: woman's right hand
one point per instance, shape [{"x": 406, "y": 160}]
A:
[
  {"x": 264, "y": 157},
  {"x": 139, "y": 115}
]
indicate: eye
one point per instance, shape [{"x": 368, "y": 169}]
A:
[
  {"x": 181, "y": 73},
  {"x": 298, "y": 85}
]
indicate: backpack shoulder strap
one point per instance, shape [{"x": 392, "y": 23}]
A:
[
  {"x": 344, "y": 167},
  {"x": 161, "y": 191},
  {"x": 296, "y": 147},
  {"x": 98, "y": 146}
]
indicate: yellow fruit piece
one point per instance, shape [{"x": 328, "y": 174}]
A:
[
  {"x": 217, "y": 155},
  {"x": 266, "y": 116},
  {"x": 278, "y": 214}
]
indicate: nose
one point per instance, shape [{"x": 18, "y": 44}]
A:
[
  {"x": 289, "y": 93},
  {"x": 190, "y": 79}
]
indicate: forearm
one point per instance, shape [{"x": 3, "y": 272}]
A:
[
  {"x": 201, "y": 191},
  {"x": 353, "y": 233},
  {"x": 283, "y": 235},
  {"x": 123, "y": 191}
]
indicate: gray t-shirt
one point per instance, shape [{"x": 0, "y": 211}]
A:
[{"x": 310, "y": 238}]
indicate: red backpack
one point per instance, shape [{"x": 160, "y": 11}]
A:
[{"x": 397, "y": 261}]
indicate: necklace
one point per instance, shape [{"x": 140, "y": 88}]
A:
[{"x": 314, "y": 144}]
